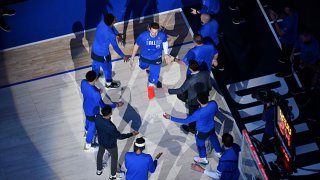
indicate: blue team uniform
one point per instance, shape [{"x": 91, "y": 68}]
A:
[
  {"x": 92, "y": 103},
  {"x": 289, "y": 26},
  {"x": 204, "y": 117},
  {"x": 151, "y": 53},
  {"x": 309, "y": 52},
  {"x": 202, "y": 54},
  {"x": 101, "y": 57},
  {"x": 228, "y": 163},
  {"x": 210, "y": 6},
  {"x": 138, "y": 165},
  {"x": 209, "y": 32}
]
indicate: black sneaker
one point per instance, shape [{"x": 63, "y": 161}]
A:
[
  {"x": 112, "y": 177},
  {"x": 113, "y": 85},
  {"x": 7, "y": 12},
  {"x": 99, "y": 172},
  {"x": 159, "y": 84},
  {"x": 238, "y": 20},
  {"x": 4, "y": 26}
]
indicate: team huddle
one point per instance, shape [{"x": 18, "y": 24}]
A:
[{"x": 194, "y": 92}]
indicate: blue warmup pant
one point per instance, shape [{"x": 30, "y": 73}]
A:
[
  {"x": 106, "y": 66},
  {"x": 202, "y": 147},
  {"x": 91, "y": 131},
  {"x": 154, "y": 71}
]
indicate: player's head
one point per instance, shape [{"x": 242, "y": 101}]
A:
[
  {"x": 203, "y": 98},
  {"x": 288, "y": 8},
  {"x": 91, "y": 76},
  {"x": 106, "y": 111},
  {"x": 205, "y": 18},
  {"x": 193, "y": 65},
  {"x": 140, "y": 144},
  {"x": 227, "y": 140},
  {"x": 197, "y": 39},
  {"x": 154, "y": 29},
  {"x": 110, "y": 19}
]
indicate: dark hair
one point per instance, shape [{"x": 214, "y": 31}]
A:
[
  {"x": 227, "y": 140},
  {"x": 106, "y": 110},
  {"x": 154, "y": 25},
  {"x": 203, "y": 97},
  {"x": 91, "y": 76},
  {"x": 108, "y": 19},
  {"x": 139, "y": 141},
  {"x": 193, "y": 65},
  {"x": 198, "y": 39}
]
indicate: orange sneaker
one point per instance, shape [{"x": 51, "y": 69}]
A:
[{"x": 151, "y": 94}]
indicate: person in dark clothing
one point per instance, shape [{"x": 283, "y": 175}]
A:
[
  {"x": 228, "y": 163},
  {"x": 200, "y": 81},
  {"x": 107, "y": 137},
  {"x": 268, "y": 116}
]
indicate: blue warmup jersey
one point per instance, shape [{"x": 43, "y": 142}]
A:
[
  {"x": 138, "y": 165},
  {"x": 105, "y": 36},
  {"x": 151, "y": 47},
  {"x": 204, "y": 117},
  {"x": 91, "y": 99},
  {"x": 228, "y": 163},
  {"x": 210, "y": 30},
  {"x": 210, "y": 6},
  {"x": 289, "y": 26},
  {"x": 202, "y": 54},
  {"x": 309, "y": 53}
]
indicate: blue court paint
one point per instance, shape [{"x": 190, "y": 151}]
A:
[
  {"x": 56, "y": 74},
  {"x": 38, "y": 20}
]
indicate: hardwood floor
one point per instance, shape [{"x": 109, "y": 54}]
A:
[{"x": 41, "y": 134}]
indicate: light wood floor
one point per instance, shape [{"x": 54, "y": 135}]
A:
[
  {"x": 72, "y": 51},
  {"x": 41, "y": 134}
]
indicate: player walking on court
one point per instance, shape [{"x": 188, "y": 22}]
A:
[{"x": 151, "y": 44}]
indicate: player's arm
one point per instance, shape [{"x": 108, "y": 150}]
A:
[
  {"x": 116, "y": 47},
  {"x": 134, "y": 50}
]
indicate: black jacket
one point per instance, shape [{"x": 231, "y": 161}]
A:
[
  {"x": 108, "y": 133},
  {"x": 200, "y": 82}
]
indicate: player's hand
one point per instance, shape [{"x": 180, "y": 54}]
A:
[
  {"x": 193, "y": 11},
  {"x": 120, "y": 38},
  {"x": 197, "y": 167},
  {"x": 166, "y": 116},
  {"x": 158, "y": 156},
  {"x": 126, "y": 58},
  {"x": 120, "y": 103},
  {"x": 135, "y": 133},
  {"x": 168, "y": 58},
  {"x": 214, "y": 63}
]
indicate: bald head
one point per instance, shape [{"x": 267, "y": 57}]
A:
[{"x": 205, "y": 18}]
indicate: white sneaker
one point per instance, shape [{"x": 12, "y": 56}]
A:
[
  {"x": 200, "y": 160},
  {"x": 120, "y": 174},
  {"x": 217, "y": 154},
  {"x": 89, "y": 148}
]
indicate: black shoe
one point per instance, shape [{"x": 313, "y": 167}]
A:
[
  {"x": 112, "y": 177},
  {"x": 185, "y": 128},
  {"x": 193, "y": 131},
  {"x": 4, "y": 26},
  {"x": 113, "y": 85},
  {"x": 99, "y": 172},
  {"x": 94, "y": 145},
  {"x": 7, "y": 12},
  {"x": 238, "y": 20},
  {"x": 159, "y": 84},
  {"x": 148, "y": 71}
]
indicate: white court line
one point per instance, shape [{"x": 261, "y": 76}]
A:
[{"x": 89, "y": 30}]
